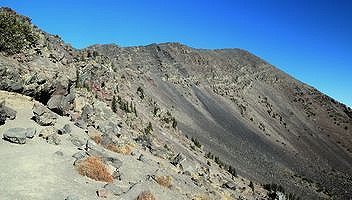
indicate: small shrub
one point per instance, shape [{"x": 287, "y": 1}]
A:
[
  {"x": 95, "y": 54},
  {"x": 97, "y": 139},
  {"x": 16, "y": 32},
  {"x": 232, "y": 171},
  {"x": 140, "y": 92},
  {"x": 94, "y": 168},
  {"x": 165, "y": 181},
  {"x": 149, "y": 128},
  {"x": 174, "y": 123},
  {"x": 146, "y": 196},
  {"x": 209, "y": 155},
  {"x": 155, "y": 110},
  {"x": 125, "y": 149},
  {"x": 251, "y": 185}
]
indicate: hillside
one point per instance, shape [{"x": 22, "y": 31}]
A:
[{"x": 165, "y": 100}]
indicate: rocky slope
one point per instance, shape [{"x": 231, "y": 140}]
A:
[{"x": 132, "y": 108}]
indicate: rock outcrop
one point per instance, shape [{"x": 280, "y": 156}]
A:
[
  {"x": 43, "y": 116},
  {"x": 19, "y": 135},
  {"x": 6, "y": 113}
]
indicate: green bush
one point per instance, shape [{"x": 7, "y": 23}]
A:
[{"x": 16, "y": 32}]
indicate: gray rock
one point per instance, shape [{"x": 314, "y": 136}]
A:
[
  {"x": 45, "y": 132},
  {"x": 117, "y": 188},
  {"x": 30, "y": 132},
  {"x": 43, "y": 116},
  {"x": 109, "y": 127},
  {"x": 61, "y": 102},
  {"x": 178, "y": 159},
  {"x": 103, "y": 193},
  {"x": 6, "y": 112},
  {"x": 141, "y": 158},
  {"x": 106, "y": 139},
  {"x": 230, "y": 185},
  {"x": 54, "y": 103},
  {"x": 53, "y": 139},
  {"x": 280, "y": 196},
  {"x": 87, "y": 112},
  {"x": 79, "y": 155},
  {"x": 81, "y": 124},
  {"x": 16, "y": 135},
  {"x": 76, "y": 141},
  {"x": 115, "y": 162},
  {"x": 15, "y": 86},
  {"x": 65, "y": 130}
]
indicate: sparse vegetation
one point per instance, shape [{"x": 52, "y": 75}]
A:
[
  {"x": 165, "y": 181},
  {"x": 125, "y": 149},
  {"x": 16, "y": 32},
  {"x": 146, "y": 196},
  {"x": 97, "y": 139},
  {"x": 113, "y": 104},
  {"x": 273, "y": 188},
  {"x": 168, "y": 118},
  {"x": 156, "y": 109},
  {"x": 140, "y": 92},
  {"x": 94, "y": 168},
  {"x": 209, "y": 155},
  {"x": 149, "y": 128},
  {"x": 251, "y": 185},
  {"x": 127, "y": 107},
  {"x": 233, "y": 171},
  {"x": 196, "y": 142}
]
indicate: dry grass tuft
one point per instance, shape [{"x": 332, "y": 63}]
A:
[
  {"x": 94, "y": 168},
  {"x": 165, "y": 181},
  {"x": 146, "y": 196},
  {"x": 97, "y": 139},
  {"x": 126, "y": 149}
]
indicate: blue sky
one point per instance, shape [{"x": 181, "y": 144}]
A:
[{"x": 310, "y": 40}]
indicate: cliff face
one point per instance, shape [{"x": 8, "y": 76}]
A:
[{"x": 248, "y": 114}]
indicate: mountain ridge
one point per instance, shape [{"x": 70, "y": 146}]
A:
[{"x": 271, "y": 127}]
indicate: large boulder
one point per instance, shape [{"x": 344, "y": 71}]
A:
[
  {"x": 229, "y": 185},
  {"x": 87, "y": 113},
  {"x": 6, "y": 112},
  {"x": 43, "y": 116},
  {"x": 109, "y": 128},
  {"x": 65, "y": 130},
  {"x": 50, "y": 134},
  {"x": 61, "y": 102},
  {"x": 45, "y": 132},
  {"x": 18, "y": 135}
]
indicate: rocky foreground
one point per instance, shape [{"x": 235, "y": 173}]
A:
[{"x": 45, "y": 155}]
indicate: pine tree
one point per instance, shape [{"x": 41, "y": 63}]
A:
[{"x": 113, "y": 104}]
